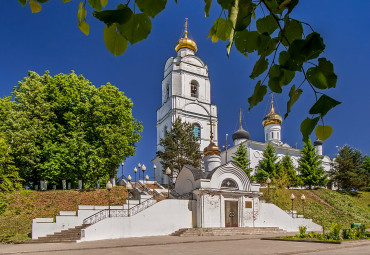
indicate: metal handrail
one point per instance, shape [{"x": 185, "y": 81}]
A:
[{"x": 101, "y": 215}]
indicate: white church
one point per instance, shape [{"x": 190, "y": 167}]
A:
[
  {"x": 186, "y": 94},
  {"x": 205, "y": 201}
]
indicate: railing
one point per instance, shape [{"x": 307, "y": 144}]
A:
[
  {"x": 123, "y": 177},
  {"x": 101, "y": 215}
]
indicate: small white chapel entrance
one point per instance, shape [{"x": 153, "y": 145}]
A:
[{"x": 231, "y": 214}]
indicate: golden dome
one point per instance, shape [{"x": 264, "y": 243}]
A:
[
  {"x": 212, "y": 149},
  {"x": 272, "y": 117},
  {"x": 186, "y": 42}
]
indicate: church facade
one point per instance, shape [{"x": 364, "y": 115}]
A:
[{"x": 186, "y": 94}]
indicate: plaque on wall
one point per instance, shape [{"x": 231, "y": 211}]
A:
[{"x": 248, "y": 204}]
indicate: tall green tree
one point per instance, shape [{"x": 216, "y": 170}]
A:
[
  {"x": 348, "y": 170},
  {"x": 264, "y": 27},
  {"x": 241, "y": 159},
  {"x": 180, "y": 147},
  {"x": 311, "y": 170},
  {"x": 288, "y": 170},
  {"x": 64, "y": 128},
  {"x": 268, "y": 165},
  {"x": 9, "y": 177},
  {"x": 366, "y": 167}
]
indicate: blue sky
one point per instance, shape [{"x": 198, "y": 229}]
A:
[{"x": 51, "y": 40}]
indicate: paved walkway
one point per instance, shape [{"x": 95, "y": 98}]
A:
[{"x": 172, "y": 245}]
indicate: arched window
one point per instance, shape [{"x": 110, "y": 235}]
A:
[
  {"x": 196, "y": 130},
  {"x": 229, "y": 184},
  {"x": 167, "y": 90},
  {"x": 165, "y": 131},
  {"x": 194, "y": 88}
]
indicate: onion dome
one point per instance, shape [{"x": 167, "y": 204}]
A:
[
  {"x": 318, "y": 142},
  {"x": 241, "y": 133},
  {"x": 186, "y": 42},
  {"x": 212, "y": 148},
  {"x": 272, "y": 117}
]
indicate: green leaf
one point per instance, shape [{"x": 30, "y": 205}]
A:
[
  {"x": 120, "y": 16},
  {"x": 266, "y": 45},
  {"x": 95, "y": 4},
  {"x": 207, "y": 8},
  {"x": 226, "y": 4},
  {"x": 309, "y": 48},
  {"x": 81, "y": 13},
  {"x": 292, "y": 30},
  {"x": 260, "y": 66},
  {"x": 114, "y": 41},
  {"x": 322, "y": 76},
  {"x": 103, "y": 2},
  {"x": 267, "y": 24},
  {"x": 293, "y": 97},
  {"x": 137, "y": 28},
  {"x": 246, "y": 41},
  {"x": 279, "y": 77},
  {"x": 35, "y": 6},
  {"x": 42, "y": 1},
  {"x": 84, "y": 27},
  {"x": 23, "y": 2},
  {"x": 288, "y": 63},
  {"x": 258, "y": 95},
  {"x": 66, "y": 1},
  {"x": 289, "y": 4},
  {"x": 243, "y": 20},
  {"x": 151, "y": 7},
  {"x": 323, "y": 132},
  {"x": 323, "y": 105},
  {"x": 221, "y": 29},
  {"x": 307, "y": 127}
]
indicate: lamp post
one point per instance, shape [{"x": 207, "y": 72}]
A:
[
  {"x": 303, "y": 198},
  {"x": 292, "y": 198},
  {"x": 138, "y": 166},
  {"x": 154, "y": 167},
  {"x": 147, "y": 178},
  {"x": 168, "y": 173},
  {"x": 143, "y": 168},
  {"x": 129, "y": 188},
  {"x": 135, "y": 171},
  {"x": 109, "y": 186},
  {"x": 268, "y": 181},
  {"x": 122, "y": 164}
]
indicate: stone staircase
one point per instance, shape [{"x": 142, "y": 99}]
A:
[
  {"x": 64, "y": 236},
  {"x": 227, "y": 231}
]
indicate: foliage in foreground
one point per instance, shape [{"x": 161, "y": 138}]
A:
[
  {"x": 241, "y": 159},
  {"x": 64, "y": 128},
  {"x": 286, "y": 46}
]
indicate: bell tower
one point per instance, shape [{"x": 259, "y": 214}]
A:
[{"x": 186, "y": 94}]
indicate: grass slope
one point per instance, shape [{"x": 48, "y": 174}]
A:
[
  {"x": 25, "y": 205},
  {"x": 326, "y": 206}
]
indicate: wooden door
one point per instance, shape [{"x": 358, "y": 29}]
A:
[{"x": 231, "y": 214}]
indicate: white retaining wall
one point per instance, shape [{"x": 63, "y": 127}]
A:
[
  {"x": 67, "y": 219},
  {"x": 162, "y": 218},
  {"x": 272, "y": 216}
]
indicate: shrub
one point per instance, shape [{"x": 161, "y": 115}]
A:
[
  {"x": 335, "y": 231},
  {"x": 302, "y": 231}
]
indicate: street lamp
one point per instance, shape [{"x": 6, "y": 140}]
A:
[
  {"x": 147, "y": 178},
  {"x": 154, "y": 167},
  {"x": 138, "y": 166},
  {"x": 122, "y": 164},
  {"x": 292, "y": 198},
  {"x": 143, "y": 168},
  {"x": 303, "y": 198},
  {"x": 168, "y": 173},
  {"x": 109, "y": 187},
  {"x": 129, "y": 188},
  {"x": 268, "y": 181},
  {"x": 135, "y": 171}
]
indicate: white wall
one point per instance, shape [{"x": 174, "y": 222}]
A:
[
  {"x": 272, "y": 216},
  {"x": 163, "y": 218}
]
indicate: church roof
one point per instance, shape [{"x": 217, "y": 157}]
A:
[
  {"x": 197, "y": 174},
  {"x": 318, "y": 142},
  {"x": 240, "y": 133},
  {"x": 186, "y": 42},
  {"x": 272, "y": 117}
]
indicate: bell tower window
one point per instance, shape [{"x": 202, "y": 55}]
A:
[
  {"x": 194, "y": 88},
  {"x": 196, "y": 131},
  {"x": 167, "y": 91}
]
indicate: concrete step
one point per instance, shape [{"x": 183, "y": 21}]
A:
[
  {"x": 67, "y": 235},
  {"x": 226, "y": 231}
]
